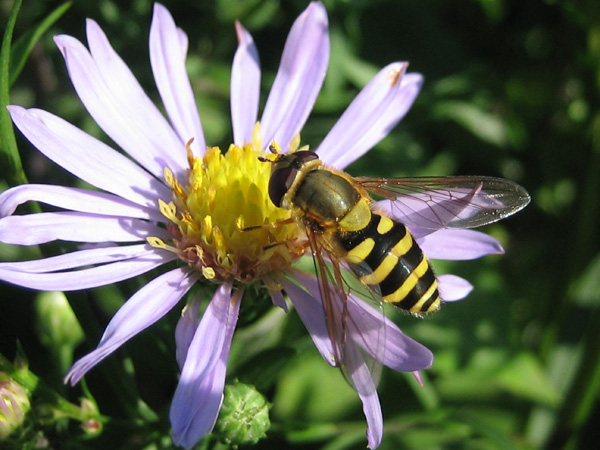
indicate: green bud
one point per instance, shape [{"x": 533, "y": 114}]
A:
[
  {"x": 14, "y": 405},
  {"x": 57, "y": 327},
  {"x": 244, "y": 416}
]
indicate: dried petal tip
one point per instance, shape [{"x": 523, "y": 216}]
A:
[
  {"x": 244, "y": 417},
  {"x": 417, "y": 376}
]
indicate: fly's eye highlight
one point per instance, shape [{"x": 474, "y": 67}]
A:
[
  {"x": 281, "y": 180},
  {"x": 304, "y": 156}
]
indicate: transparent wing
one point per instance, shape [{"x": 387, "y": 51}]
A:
[
  {"x": 353, "y": 346},
  {"x": 333, "y": 297},
  {"x": 441, "y": 202}
]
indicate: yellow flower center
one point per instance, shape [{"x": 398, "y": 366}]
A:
[{"x": 222, "y": 195}]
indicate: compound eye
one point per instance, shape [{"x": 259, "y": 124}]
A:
[
  {"x": 305, "y": 156},
  {"x": 281, "y": 180}
]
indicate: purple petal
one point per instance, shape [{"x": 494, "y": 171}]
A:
[
  {"x": 33, "y": 229},
  {"x": 310, "y": 311},
  {"x": 401, "y": 352},
  {"x": 199, "y": 394},
  {"x": 410, "y": 86},
  {"x": 366, "y": 389},
  {"x": 371, "y": 116},
  {"x": 430, "y": 210},
  {"x": 186, "y": 327},
  {"x": 278, "y": 299},
  {"x": 368, "y": 327},
  {"x": 48, "y": 275},
  {"x": 88, "y": 158},
  {"x": 82, "y": 200},
  {"x": 143, "y": 309},
  {"x": 372, "y": 411},
  {"x": 457, "y": 245},
  {"x": 168, "y": 50},
  {"x": 299, "y": 78},
  {"x": 118, "y": 104},
  {"x": 141, "y": 114},
  {"x": 370, "y": 330},
  {"x": 245, "y": 87},
  {"x": 453, "y": 288},
  {"x": 82, "y": 258}
]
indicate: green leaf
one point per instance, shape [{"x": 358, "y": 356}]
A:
[
  {"x": 10, "y": 161},
  {"x": 310, "y": 390},
  {"x": 22, "y": 48},
  {"x": 493, "y": 425},
  {"x": 525, "y": 377},
  {"x": 586, "y": 290},
  {"x": 264, "y": 369},
  {"x": 486, "y": 126}
]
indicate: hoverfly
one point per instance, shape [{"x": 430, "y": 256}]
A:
[{"x": 346, "y": 230}]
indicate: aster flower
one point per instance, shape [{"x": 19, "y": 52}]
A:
[{"x": 176, "y": 201}]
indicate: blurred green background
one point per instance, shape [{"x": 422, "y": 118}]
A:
[{"x": 511, "y": 90}]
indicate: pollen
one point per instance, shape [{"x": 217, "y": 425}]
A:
[{"x": 223, "y": 222}]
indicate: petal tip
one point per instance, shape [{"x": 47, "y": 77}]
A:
[
  {"x": 62, "y": 42},
  {"x": 417, "y": 376},
  {"x": 159, "y": 8},
  {"x": 92, "y": 27},
  {"x": 161, "y": 13},
  {"x": 317, "y": 8},
  {"x": 15, "y": 109},
  {"x": 240, "y": 31}
]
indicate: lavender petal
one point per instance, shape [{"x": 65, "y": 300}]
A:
[
  {"x": 367, "y": 391},
  {"x": 33, "y": 229},
  {"x": 299, "y": 78},
  {"x": 118, "y": 104},
  {"x": 199, "y": 394},
  {"x": 455, "y": 245},
  {"x": 31, "y": 275},
  {"x": 87, "y": 158},
  {"x": 310, "y": 311},
  {"x": 143, "y": 309},
  {"x": 82, "y": 200},
  {"x": 371, "y": 116},
  {"x": 167, "y": 57},
  {"x": 452, "y": 287},
  {"x": 245, "y": 87},
  {"x": 184, "y": 332}
]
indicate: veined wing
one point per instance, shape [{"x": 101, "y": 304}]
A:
[
  {"x": 442, "y": 202},
  {"x": 353, "y": 347}
]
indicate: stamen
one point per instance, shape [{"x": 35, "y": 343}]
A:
[
  {"x": 159, "y": 243},
  {"x": 190, "y": 154},
  {"x": 208, "y": 273},
  {"x": 171, "y": 181},
  {"x": 169, "y": 211}
]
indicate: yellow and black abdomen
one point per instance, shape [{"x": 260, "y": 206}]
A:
[{"x": 386, "y": 258}]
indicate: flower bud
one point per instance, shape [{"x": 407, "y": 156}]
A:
[
  {"x": 57, "y": 326},
  {"x": 244, "y": 416},
  {"x": 14, "y": 405}
]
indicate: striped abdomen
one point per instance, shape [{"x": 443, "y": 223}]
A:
[{"x": 387, "y": 259}]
